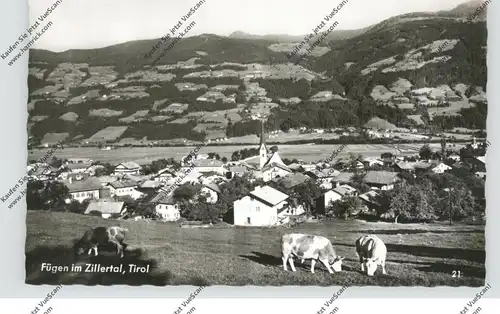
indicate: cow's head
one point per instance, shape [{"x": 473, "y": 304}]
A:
[
  {"x": 370, "y": 265},
  {"x": 336, "y": 264}
]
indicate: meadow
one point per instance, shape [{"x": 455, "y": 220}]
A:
[
  {"x": 308, "y": 153},
  {"x": 418, "y": 254}
]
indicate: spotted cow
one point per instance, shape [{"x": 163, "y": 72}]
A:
[
  {"x": 101, "y": 236},
  {"x": 311, "y": 247},
  {"x": 371, "y": 252}
]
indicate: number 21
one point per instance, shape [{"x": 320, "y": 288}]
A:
[{"x": 455, "y": 273}]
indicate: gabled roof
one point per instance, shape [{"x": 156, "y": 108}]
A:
[
  {"x": 344, "y": 189},
  {"x": 276, "y": 159},
  {"x": 207, "y": 163},
  {"x": 90, "y": 184},
  {"x": 123, "y": 184},
  {"x": 292, "y": 180},
  {"x": 278, "y": 165},
  {"x": 370, "y": 197},
  {"x": 105, "y": 207},
  {"x": 380, "y": 177},
  {"x": 150, "y": 184},
  {"x": 167, "y": 171},
  {"x": 162, "y": 198},
  {"x": 214, "y": 187},
  {"x": 323, "y": 173},
  {"x": 343, "y": 177},
  {"x": 75, "y": 166},
  {"x": 482, "y": 159},
  {"x": 129, "y": 165},
  {"x": 268, "y": 195}
]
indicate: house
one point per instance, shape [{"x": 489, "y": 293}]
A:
[
  {"x": 85, "y": 189},
  {"x": 212, "y": 192},
  {"x": 260, "y": 207},
  {"x": 164, "y": 175},
  {"x": 75, "y": 167},
  {"x": 87, "y": 161},
  {"x": 324, "y": 202},
  {"x": 342, "y": 178},
  {"x": 454, "y": 156},
  {"x": 370, "y": 200},
  {"x": 440, "y": 168},
  {"x": 274, "y": 170},
  {"x": 207, "y": 165},
  {"x": 345, "y": 190},
  {"x": 123, "y": 188},
  {"x": 106, "y": 209},
  {"x": 165, "y": 207},
  {"x": 149, "y": 185},
  {"x": 41, "y": 171},
  {"x": 370, "y": 162},
  {"x": 479, "y": 163},
  {"x": 236, "y": 171},
  {"x": 292, "y": 180},
  {"x": 323, "y": 177},
  {"x": 127, "y": 168},
  {"x": 381, "y": 180},
  {"x": 412, "y": 167}
]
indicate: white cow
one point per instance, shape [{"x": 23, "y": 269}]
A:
[
  {"x": 312, "y": 247},
  {"x": 371, "y": 252}
]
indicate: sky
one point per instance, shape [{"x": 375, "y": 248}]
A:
[{"x": 99, "y": 23}]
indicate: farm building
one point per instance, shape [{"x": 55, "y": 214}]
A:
[
  {"x": 85, "y": 189},
  {"x": 325, "y": 201},
  {"x": 381, "y": 180},
  {"x": 122, "y": 188},
  {"x": 440, "y": 168},
  {"x": 106, "y": 209},
  {"x": 127, "y": 168},
  {"x": 323, "y": 177},
  {"x": 165, "y": 207},
  {"x": 212, "y": 192},
  {"x": 261, "y": 207},
  {"x": 207, "y": 165}
]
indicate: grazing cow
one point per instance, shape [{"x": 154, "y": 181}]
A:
[
  {"x": 101, "y": 235},
  {"x": 371, "y": 252},
  {"x": 312, "y": 247}
]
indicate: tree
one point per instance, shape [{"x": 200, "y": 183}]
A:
[
  {"x": 105, "y": 170},
  {"x": 425, "y": 152},
  {"x": 458, "y": 203},
  {"x": 306, "y": 194},
  {"x": 186, "y": 192},
  {"x": 346, "y": 207},
  {"x": 224, "y": 159},
  {"x": 386, "y": 156},
  {"x": 55, "y": 194},
  {"x": 413, "y": 202}
]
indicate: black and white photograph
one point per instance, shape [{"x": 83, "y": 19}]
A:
[{"x": 254, "y": 143}]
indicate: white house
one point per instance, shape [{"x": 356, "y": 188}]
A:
[
  {"x": 107, "y": 209},
  {"x": 164, "y": 175},
  {"x": 260, "y": 207},
  {"x": 440, "y": 168},
  {"x": 165, "y": 207},
  {"x": 86, "y": 189},
  {"x": 208, "y": 165},
  {"x": 127, "y": 168},
  {"x": 122, "y": 188},
  {"x": 323, "y": 177},
  {"x": 328, "y": 198},
  {"x": 212, "y": 192}
]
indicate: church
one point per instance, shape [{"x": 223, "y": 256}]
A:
[{"x": 271, "y": 165}]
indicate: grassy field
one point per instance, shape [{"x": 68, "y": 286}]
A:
[{"x": 418, "y": 254}]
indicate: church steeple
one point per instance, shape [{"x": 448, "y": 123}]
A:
[{"x": 262, "y": 146}]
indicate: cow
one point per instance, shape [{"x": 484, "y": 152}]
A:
[
  {"x": 312, "y": 247},
  {"x": 371, "y": 252},
  {"x": 101, "y": 236}
]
